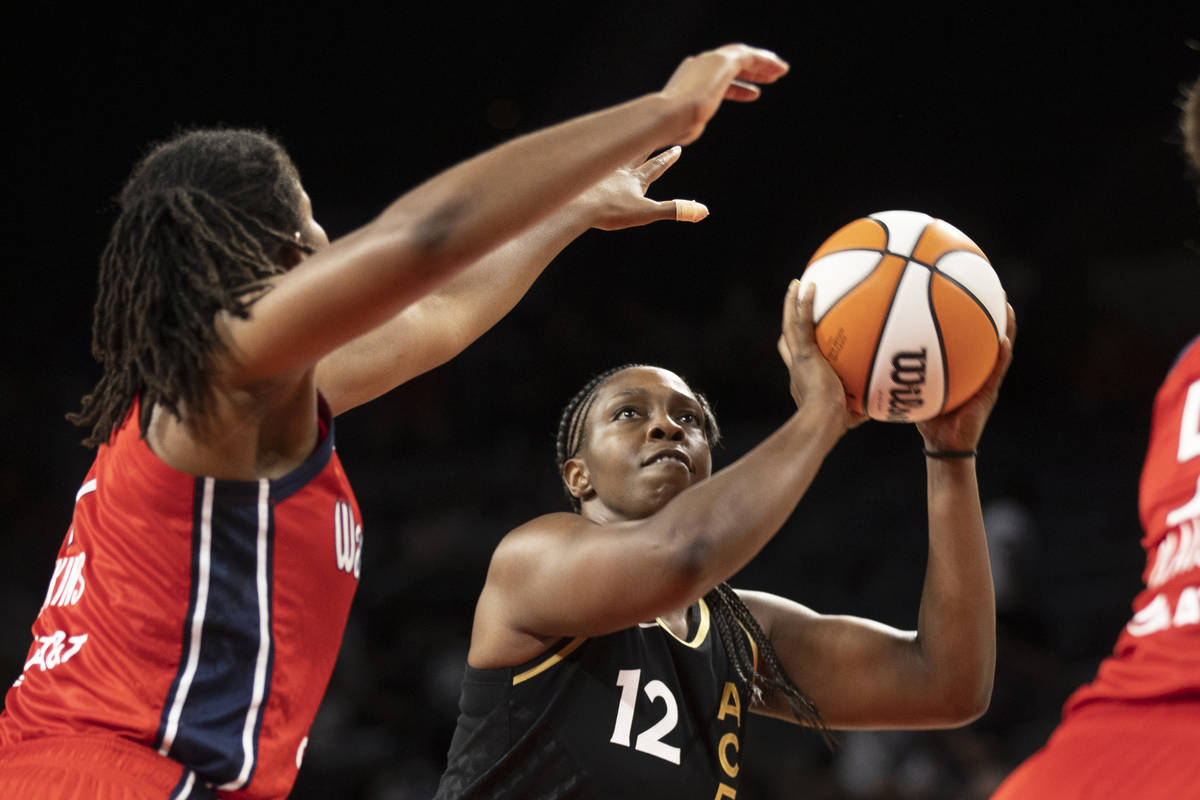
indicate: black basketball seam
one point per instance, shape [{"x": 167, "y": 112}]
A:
[
  {"x": 937, "y": 328},
  {"x": 974, "y": 298},
  {"x": 844, "y": 294},
  {"x": 879, "y": 339}
]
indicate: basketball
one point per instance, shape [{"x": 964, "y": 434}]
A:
[{"x": 909, "y": 312}]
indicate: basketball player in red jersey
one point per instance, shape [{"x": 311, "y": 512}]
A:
[
  {"x": 1134, "y": 732},
  {"x": 609, "y": 659},
  {"x": 200, "y": 594}
]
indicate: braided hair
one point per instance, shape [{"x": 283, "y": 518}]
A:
[
  {"x": 202, "y": 221},
  {"x": 735, "y": 623}
]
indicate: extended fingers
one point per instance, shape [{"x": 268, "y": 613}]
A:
[
  {"x": 653, "y": 168},
  {"x": 798, "y": 319},
  {"x": 1006, "y": 346},
  {"x": 742, "y": 92},
  {"x": 754, "y": 63}
]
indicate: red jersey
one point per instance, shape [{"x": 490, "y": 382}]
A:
[
  {"x": 1157, "y": 655},
  {"x": 198, "y": 617}
]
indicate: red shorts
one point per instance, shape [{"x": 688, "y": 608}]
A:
[
  {"x": 1115, "y": 750},
  {"x": 103, "y": 768}
]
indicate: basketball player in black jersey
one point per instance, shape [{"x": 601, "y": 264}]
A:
[{"x": 608, "y": 658}]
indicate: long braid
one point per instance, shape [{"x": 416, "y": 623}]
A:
[
  {"x": 734, "y": 623},
  {"x": 201, "y": 220},
  {"x": 732, "y": 618}
]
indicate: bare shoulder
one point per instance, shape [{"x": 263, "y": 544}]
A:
[
  {"x": 498, "y": 636},
  {"x": 535, "y": 539}
]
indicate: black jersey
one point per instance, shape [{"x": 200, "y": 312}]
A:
[{"x": 638, "y": 713}]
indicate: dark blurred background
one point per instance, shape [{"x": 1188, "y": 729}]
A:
[{"x": 1050, "y": 139}]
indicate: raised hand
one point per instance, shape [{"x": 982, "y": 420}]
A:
[
  {"x": 813, "y": 380},
  {"x": 961, "y": 429},
  {"x": 730, "y": 72},
  {"x": 619, "y": 201}
]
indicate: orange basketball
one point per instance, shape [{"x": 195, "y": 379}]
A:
[{"x": 909, "y": 312}]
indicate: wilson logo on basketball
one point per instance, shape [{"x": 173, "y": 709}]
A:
[{"x": 908, "y": 379}]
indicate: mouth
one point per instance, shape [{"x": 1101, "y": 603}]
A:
[{"x": 669, "y": 455}]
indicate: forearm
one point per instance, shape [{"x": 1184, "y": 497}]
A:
[
  {"x": 493, "y": 196},
  {"x": 956, "y": 628},
  {"x": 442, "y": 324},
  {"x": 483, "y": 293},
  {"x": 436, "y": 230},
  {"x": 726, "y": 520}
]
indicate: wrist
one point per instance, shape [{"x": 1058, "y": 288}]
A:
[
  {"x": 824, "y": 423},
  {"x": 679, "y": 116},
  {"x": 947, "y": 454}
]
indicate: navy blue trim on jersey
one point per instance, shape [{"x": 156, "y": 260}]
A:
[
  {"x": 190, "y": 787},
  {"x": 213, "y": 712},
  {"x": 297, "y": 479},
  {"x": 213, "y": 715},
  {"x": 1183, "y": 352}
]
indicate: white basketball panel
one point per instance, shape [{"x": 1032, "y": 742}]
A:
[
  {"x": 904, "y": 229},
  {"x": 835, "y": 275},
  {"x": 908, "y": 377}
]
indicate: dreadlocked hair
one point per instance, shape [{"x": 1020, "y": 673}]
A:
[
  {"x": 736, "y": 626},
  {"x": 202, "y": 221}
]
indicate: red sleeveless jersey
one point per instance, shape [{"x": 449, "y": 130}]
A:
[
  {"x": 196, "y": 616},
  {"x": 1157, "y": 655}
]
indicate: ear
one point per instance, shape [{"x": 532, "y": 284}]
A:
[
  {"x": 288, "y": 256},
  {"x": 575, "y": 476}
]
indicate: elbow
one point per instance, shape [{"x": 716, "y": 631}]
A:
[
  {"x": 963, "y": 702},
  {"x": 433, "y": 234},
  {"x": 971, "y": 706},
  {"x": 430, "y": 244}
]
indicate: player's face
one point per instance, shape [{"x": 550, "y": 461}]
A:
[{"x": 645, "y": 443}]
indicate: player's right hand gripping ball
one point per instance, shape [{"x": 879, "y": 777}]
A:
[{"x": 909, "y": 312}]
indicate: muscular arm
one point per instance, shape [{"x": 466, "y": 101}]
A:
[
  {"x": 452, "y": 220},
  {"x": 863, "y": 674},
  {"x": 440, "y": 325},
  {"x": 563, "y": 574}
]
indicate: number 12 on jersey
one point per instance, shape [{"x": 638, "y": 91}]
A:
[{"x": 650, "y": 740}]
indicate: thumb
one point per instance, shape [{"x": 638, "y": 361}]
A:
[{"x": 688, "y": 210}]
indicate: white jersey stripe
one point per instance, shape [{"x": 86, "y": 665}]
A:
[
  {"x": 197, "y": 624},
  {"x": 186, "y": 790},
  {"x": 249, "y": 755},
  {"x": 87, "y": 488}
]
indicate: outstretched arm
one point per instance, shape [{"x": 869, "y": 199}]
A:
[
  {"x": 440, "y": 325},
  {"x": 452, "y": 220},
  {"x": 862, "y": 674}
]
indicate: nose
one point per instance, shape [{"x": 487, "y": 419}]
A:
[{"x": 663, "y": 427}]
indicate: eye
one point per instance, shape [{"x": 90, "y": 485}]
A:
[
  {"x": 689, "y": 418},
  {"x": 626, "y": 412}
]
